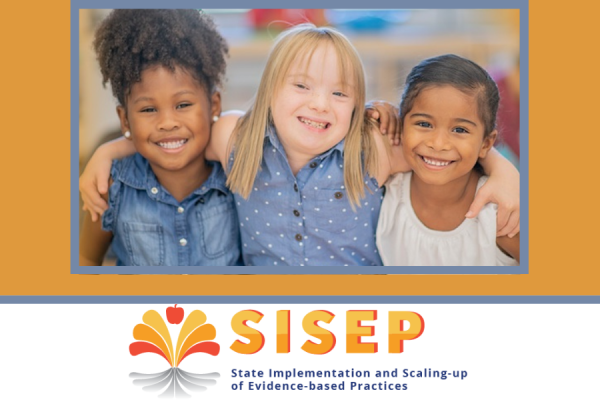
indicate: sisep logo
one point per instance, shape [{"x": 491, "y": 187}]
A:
[{"x": 153, "y": 336}]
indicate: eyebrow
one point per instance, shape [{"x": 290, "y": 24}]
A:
[
  {"x": 306, "y": 76},
  {"x": 423, "y": 115},
  {"x": 147, "y": 98},
  {"x": 466, "y": 121}
]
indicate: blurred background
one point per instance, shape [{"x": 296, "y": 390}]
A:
[{"x": 390, "y": 43}]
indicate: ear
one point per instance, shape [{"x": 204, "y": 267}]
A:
[
  {"x": 215, "y": 104},
  {"x": 488, "y": 143},
  {"x": 122, "y": 113}
]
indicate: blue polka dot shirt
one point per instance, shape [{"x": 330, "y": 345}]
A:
[{"x": 307, "y": 220}]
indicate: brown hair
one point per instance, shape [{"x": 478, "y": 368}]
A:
[
  {"x": 129, "y": 41},
  {"x": 460, "y": 73}
]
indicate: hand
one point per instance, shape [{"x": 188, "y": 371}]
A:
[
  {"x": 388, "y": 117},
  {"x": 507, "y": 198},
  {"x": 93, "y": 183}
]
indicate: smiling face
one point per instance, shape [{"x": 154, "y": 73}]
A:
[
  {"x": 169, "y": 114},
  {"x": 312, "y": 108},
  {"x": 443, "y": 135}
]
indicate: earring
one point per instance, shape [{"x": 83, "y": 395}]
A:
[
  {"x": 215, "y": 118},
  {"x": 127, "y": 134}
]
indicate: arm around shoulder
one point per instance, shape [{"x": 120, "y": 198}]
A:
[
  {"x": 93, "y": 182},
  {"x": 391, "y": 158},
  {"x": 220, "y": 135},
  {"x": 116, "y": 149},
  {"x": 501, "y": 188}
]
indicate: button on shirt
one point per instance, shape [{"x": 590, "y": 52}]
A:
[
  {"x": 306, "y": 220},
  {"x": 151, "y": 227}
]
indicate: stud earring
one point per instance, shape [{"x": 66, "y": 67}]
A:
[
  {"x": 127, "y": 134},
  {"x": 215, "y": 118}
]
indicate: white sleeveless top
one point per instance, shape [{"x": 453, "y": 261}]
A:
[{"x": 403, "y": 240}]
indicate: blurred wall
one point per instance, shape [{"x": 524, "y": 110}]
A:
[{"x": 389, "y": 42}]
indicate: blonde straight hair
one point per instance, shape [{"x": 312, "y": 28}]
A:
[{"x": 294, "y": 44}]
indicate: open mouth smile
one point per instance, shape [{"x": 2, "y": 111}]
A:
[
  {"x": 314, "y": 124},
  {"x": 435, "y": 162},
  {"x": 172, "y": 144}
]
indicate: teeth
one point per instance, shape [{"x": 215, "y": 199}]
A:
[
  {"x": 172, "y": 145},
  {"x": 436, "y": 162},
  {"x": 318, "y": 125}
]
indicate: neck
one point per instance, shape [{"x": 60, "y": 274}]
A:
[
  {"x": 297, "y": 160},
  {"x": 297, "y": 163},
  {"x": 442, "y": 207},
  {"x": 181, "y": 183}
]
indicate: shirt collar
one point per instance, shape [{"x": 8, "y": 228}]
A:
[{"x": 137, "y": 173}]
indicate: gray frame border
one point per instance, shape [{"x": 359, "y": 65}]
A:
[
  {"x": 522, "y": 5},
  {"x": 299, "y": 299}
]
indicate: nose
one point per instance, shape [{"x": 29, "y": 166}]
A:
[
  {"x": 319, "y": 102},
  {"x": 438, "y": 140},
  {"x": 167, "y": 120}
]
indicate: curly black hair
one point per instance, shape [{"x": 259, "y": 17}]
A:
[{"x": 129, "y": 41}]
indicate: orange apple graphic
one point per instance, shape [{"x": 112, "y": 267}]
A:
[{"x": 174, "y": 314}]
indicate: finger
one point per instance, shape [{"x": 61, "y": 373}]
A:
[
  {"x": 99, "y": 205},
  {"x": 93, "y": 215},
  {"x": 384, "y": 121},
  {"x": 397, "y": 135},
  {"x": 501, "y": 222},
  {"x": 372, "y": 113},
  {"x": 95, "y": 203},
  {"x": 515, "y": 231},
  {"x": 392, "y": 127},
  {"x": 102, "y": 185},
  {"x": 479, "y": 201},
  {"x": 512, "y": 226}
]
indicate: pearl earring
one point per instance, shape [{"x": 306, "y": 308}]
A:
[
  {"x": 215, "y": 118},
  {"x": 127, "y": 134}
]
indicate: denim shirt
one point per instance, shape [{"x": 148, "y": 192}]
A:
[
  {"x": 306, "y": 219},
  {"x": 151, "y": 227}
]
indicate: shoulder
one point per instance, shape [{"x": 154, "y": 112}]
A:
[
  {"x": 396, "y": 181},
  {"x": 395, "y": 194},
  {"x": 228, "y": 119},
  {"x": 220, "y": 136},
  {"x": 482, "y": 180},
  {"x": 131, "y": 168},
  {"x": 382, "y": 147},
  {"x": 224, "y": 127},
  {"x": 129, "y": 172}
]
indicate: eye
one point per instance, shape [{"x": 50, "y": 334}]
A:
[
  {"x": 423, "y": 124},
  {"x": 339, "y": 94},
  {"x": 183, "y": 105},
  {"x": 148, "y": 109},
  {"x": 460, "y": 129},
  {"x": 300, "y": 85}
]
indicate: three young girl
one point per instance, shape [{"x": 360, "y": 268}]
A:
[{"x": 305, "y": 166}]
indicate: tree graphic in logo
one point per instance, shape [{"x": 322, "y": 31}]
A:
[{"x": 194, "y": 337}]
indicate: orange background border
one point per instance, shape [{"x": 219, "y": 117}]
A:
[{"x": 35, "y": 208}]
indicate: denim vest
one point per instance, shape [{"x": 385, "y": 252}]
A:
[
  {"x": 151, "y": 227},
  {"x": 307, "y": 219}
]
